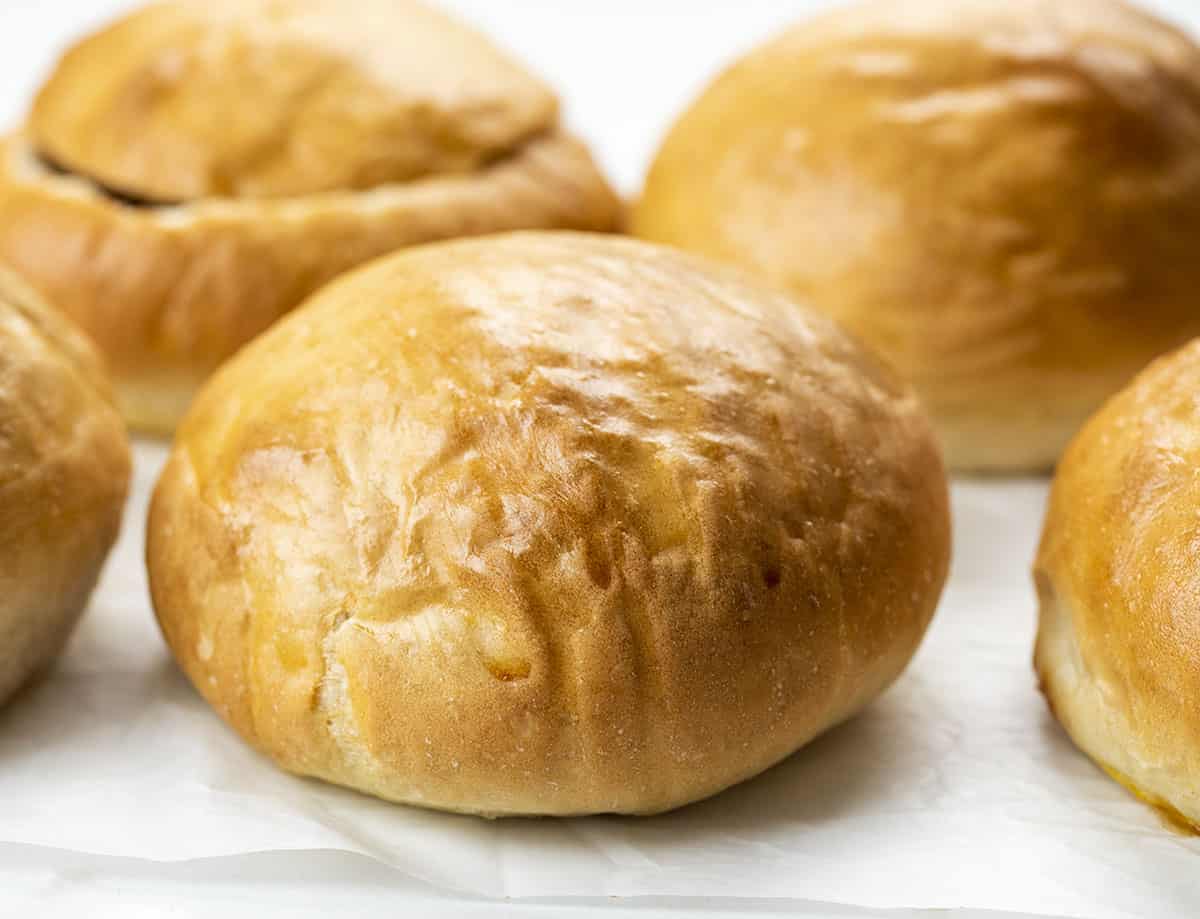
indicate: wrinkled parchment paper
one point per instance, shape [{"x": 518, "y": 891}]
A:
[{"x": 955, "y": 790}]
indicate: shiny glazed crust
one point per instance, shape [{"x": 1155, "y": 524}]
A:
[
  {"x": 64, "y": 470},
  {"x": 192, "y": 172},
  {"x": 1118, "y": 646},
  {"x": 1002, "y": 196},
  {"x": 546, "y": 523}
]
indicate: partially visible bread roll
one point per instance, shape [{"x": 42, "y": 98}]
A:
[
  {"x": 1118, "y": 577},
  {"x": 192, "y": 171},
  {"x": 546, "y": 524},
  {"x": 1002, "y": 196},
  {"x": 64, "y": 470}
]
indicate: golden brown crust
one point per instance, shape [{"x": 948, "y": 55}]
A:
[
  {"x": 64, "y": 469},
  {"x": 168, "y": 293},
  {"x": 1002, "y": 197},
  {"x": 546, "y": 523},
  {"x": 1119, "y": 630},
  {"x": 282, "y": 98},
  {"x": 272, "y": 144}
]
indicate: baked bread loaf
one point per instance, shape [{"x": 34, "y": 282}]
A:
[
  {"x": 64, "y": 470},
  {"x": 1119, "y": 588},
  {"x": 192, "y": 172},
  {"x": 546, "y": 524},
  {"x": 1002, "y": 196}
]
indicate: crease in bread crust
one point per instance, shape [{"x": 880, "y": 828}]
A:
[
  {"x": 333, "y": 701},
  {"x": 25, "y": 164},
  {"x": 169, "y": 292},
  {"x": 39, "y": 163}
]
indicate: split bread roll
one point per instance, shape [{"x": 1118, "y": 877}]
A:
[
  {"x": 1001, "y": 196},
  {"x": 1119, "y": 588},
  {"x": 64, "y": 471},
  {"x": 192, "y": 172},
  {"x": 546, "y": 524}
]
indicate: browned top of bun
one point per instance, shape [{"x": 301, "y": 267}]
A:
[
  {"x": 272, "y": 98},
  {"x": 1002, "y": 197},
  {"x": 547, "y": 523}
]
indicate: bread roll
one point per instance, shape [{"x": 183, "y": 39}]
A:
[
  {"x": 64, "y": 470},
  {"x": 546, "y": 524},
  {"x": 1119, "y": 588},
  {"x": 192, "y": 172},
  {"x": 1002, "y": 196}
]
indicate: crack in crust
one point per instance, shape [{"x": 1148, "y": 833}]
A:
[{"x": 170, "y": 291}]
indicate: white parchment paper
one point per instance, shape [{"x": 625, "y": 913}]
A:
[{"x": 955, "y": 790}]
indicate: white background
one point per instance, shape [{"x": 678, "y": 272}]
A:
[{"x": 956, "y": 791}]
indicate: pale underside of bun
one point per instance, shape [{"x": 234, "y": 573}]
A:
[
  {"x": 64, "y": 470},
  {"x": 546, "y": 524},
  {"x": 1119, "y": 591},
  {"x": 1003, "y": 198},
  {"x": 192, "y": 172}
]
